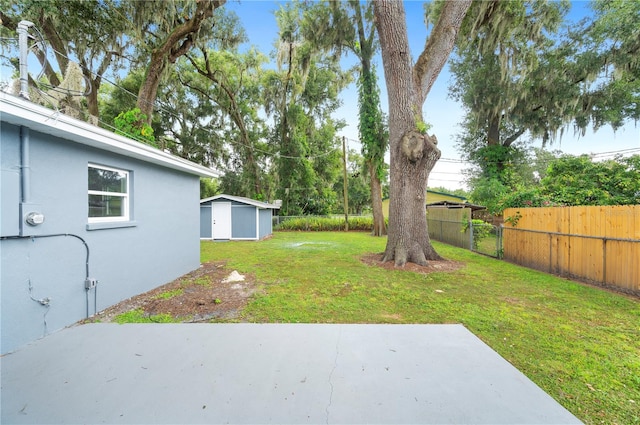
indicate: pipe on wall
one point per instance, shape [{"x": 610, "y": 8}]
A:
[
  {"x": 86, "y": 246},
  {"x": 25, "y": 166}
]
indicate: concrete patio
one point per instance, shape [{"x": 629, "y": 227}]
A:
[{"x": 268, "y": 373}]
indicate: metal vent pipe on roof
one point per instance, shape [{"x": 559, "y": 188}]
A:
[{"x": 23, "y": 39}]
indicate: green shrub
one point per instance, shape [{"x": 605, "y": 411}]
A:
[
  {"x": 481, "y": 230},
  {"x": 524, "y": 198},
  {"x": 325, "y": 224}
]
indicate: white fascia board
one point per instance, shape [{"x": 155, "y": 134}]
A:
[
  {"x": 18, "y": 111},
  {"x": 242, "y": 200}
]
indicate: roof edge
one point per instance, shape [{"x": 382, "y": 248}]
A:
[
  {"x": 259, "y": 204},
  {"x": 18, "y": 111}
]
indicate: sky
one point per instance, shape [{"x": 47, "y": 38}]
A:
[{"x": 443, "y": 113}]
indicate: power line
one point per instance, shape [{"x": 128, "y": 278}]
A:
[
  {"x": 236, "y": 144},
  {"x": 618, "y": 152},
  {"x": 159, "y": 107}
]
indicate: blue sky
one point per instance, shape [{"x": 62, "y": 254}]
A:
[{"x": 443, "y": 113}]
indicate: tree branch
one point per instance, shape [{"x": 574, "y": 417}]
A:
[
  {"x": 509, "y": 140},
  {"x": 438, "y": 46},
  {"x": 7, "y": 22}
]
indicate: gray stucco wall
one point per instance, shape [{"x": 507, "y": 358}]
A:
[{"x": 161, "y": 244}]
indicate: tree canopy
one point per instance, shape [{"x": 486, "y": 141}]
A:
[
  {"x": 527, "y": 76},
  {"x": 580, "y": 180},
  {"x": 179, "y": 75}
]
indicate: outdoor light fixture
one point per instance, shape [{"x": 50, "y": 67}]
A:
[{"x": 35, "y": 218}]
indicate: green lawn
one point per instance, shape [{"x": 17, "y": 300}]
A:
[
  {"x": 579, "y": 343},
  {"x": 488, "y": 245}
]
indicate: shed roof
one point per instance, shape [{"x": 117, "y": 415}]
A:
[
  {"x": 448, "y": 195},
  {"x": 18, "y": 111},
  {"x": 243, "y": 200},
  {"x": 449, "y": 204}
]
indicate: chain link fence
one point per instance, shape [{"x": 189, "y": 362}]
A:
[{"x": 474, "y": 235}]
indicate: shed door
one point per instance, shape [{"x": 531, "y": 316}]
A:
[{"x": 221, "y": 220}]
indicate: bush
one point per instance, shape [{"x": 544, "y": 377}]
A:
[
  {"x": 133, "y": 124},
  {"x": 481, "y": 230},
  {"x": 325, "y": 224},
  {"x": 524, "y": 198}
]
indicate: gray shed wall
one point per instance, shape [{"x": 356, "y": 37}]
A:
[
  {"x": 243, "y": 221},
  {"x": 265, "y": 223},
  {"x": 161, "y": 244}
]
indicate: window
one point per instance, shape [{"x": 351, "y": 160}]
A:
[{"x": 108, "y": 194}]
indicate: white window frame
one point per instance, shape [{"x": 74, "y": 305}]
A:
[{"x": 124, "y": 195}]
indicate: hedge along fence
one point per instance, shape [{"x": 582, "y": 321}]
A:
[
  {"x": 599, "y": 244},
  {"x": 323, "y": 224}
]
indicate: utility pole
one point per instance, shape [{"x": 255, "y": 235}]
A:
[{"x": 346, "y": 193}]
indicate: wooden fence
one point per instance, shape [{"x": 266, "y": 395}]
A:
[{"x": 598, "y": 244}]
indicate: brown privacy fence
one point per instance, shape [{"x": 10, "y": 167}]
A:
[{"x": 599, "y": 244}]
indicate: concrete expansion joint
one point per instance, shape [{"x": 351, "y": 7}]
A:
[{"x": 335, "y": 364}]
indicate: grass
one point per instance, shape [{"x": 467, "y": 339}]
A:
[
  {"x": 170, "y": 294},
  {"x": 139, "y": 316},
  {"x": 579, "y": 343},
  {"x": 488, "y": 245}
]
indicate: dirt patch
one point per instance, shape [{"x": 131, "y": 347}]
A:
[
  {"x": 212, "y": 292},
  {"x": 431, "y": 267},
  {"x": 215, "y": 293}
]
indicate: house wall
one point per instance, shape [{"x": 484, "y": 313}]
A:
[
  {"x": 160, "y": 244},
  {"x": 10, "y": 183},
  {"x": 206, "y": 231},
  {"x": 265, "y": 223}
]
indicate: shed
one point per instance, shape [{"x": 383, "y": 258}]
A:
[
  {"x": 449, "y": 205},
  {"x": 227, "y": 217},
  {"x": 431, "y": 197},
  {"x": 88, "y": 218}
]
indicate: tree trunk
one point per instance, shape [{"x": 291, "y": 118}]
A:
[
  {"x": 379, "y": 226},
  {"x": 149, "y": 89},
  {"x": 92, "y": 97},
  {"x": 412, "y": 159},
  {"x": 413, "y": 155},
  {"x": 493, "y": 130},
  {"x": 371, "y": 133}
]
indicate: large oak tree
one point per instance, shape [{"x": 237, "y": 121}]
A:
[
  {"x": 413, "y": 153},
  {"x": 167, "y": 31}
]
